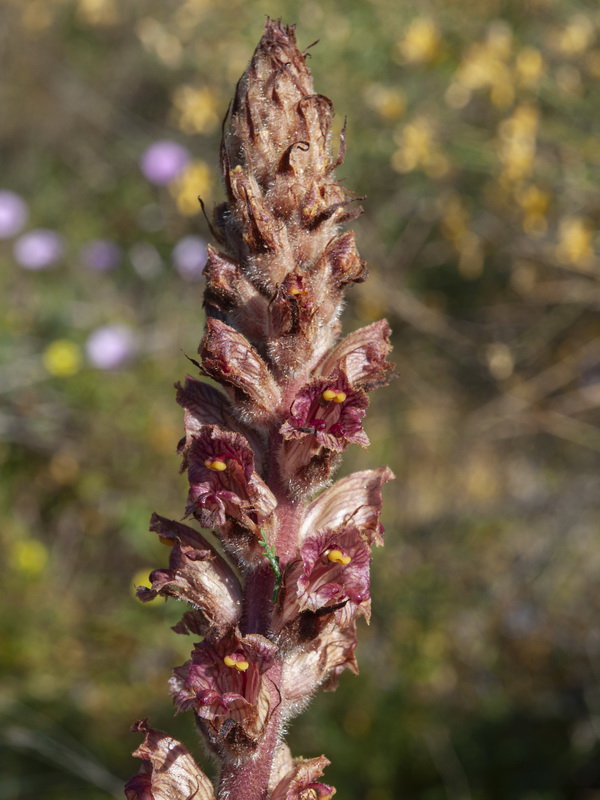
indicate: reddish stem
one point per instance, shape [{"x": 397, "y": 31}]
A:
[{"x": 249, "y": 780}]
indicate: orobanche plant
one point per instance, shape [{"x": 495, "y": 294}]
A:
[{"x": 276, "y": 619}]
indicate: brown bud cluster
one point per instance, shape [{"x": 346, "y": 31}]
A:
[{"x": 276, "y": 606}]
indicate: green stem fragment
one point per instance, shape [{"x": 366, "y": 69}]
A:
[{"x": 273, "y": 560}]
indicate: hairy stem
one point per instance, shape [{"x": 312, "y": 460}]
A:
[{"x": 250, "y": 778}]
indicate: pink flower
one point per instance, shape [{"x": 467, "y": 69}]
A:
[
  {"x": 164, "y": 161},
  {"x": 189, "y": 257},
  {"x": 13, "y": 213},
  {"x": 39, "y": 249},
  {"x": 101, "y": 255},
  {"x": 198, "y": 575},
  {"x": 110, "y": 346}
]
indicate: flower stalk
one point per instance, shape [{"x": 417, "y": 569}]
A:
[{"x": 274, "y": 610}]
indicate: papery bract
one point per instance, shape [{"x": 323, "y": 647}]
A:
[
  {"x": 170, "y": 772},
  {"x": 300, "y": 783},
  {"x": 197, "y": 574}
]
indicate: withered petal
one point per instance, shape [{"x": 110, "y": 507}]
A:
[
  {"x": 354, "y": 500},
  {"x": 197, "y": 574},
  {"x": 361, "y": 355},
  {"x": 170, "y": 771},
  {"x": 302, "y": 778},
  {"x": 229, "y": 358}
]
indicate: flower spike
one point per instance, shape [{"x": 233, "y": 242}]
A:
[{"x": 274, "y": 615}]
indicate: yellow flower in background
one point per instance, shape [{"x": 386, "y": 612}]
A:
[
  {"x": 534, "y": 203},
  {"x": 141, "y": 578},
  {"x": 62, "y": 358},
  {"x": 28, "y": 556},
  {"x": 517, "y": 143},
  {"x": 418, "y": 149},
  {"x": 421, "y": 42},
  {"x": 98, "y": 12},
  {"x": 388, "y": 103},
  {"x": 575, "y": 240},
  {"x": 454, "y": 218},
  {"x": 483, "y": 69},
  {"x": 195, "y": 181},
  {"x": 576, "y": 37},
  {"x": 530, "y": 66},
  {"x": 158, "y": 40},
  {"x": 195, "y": 110}
]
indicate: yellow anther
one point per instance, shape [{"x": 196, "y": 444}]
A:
[
  {"x": 338, "y": 557},
  {"x": 242, "y": 666},
  {"x": 332, "y": 395},
  {"x": 294, "y": 290},
  {"x": 214, "y": 463},
  {"x": 166, "y": 540}
]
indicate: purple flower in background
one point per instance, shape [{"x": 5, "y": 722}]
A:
[
  {"x": 110, "y": 346},
  {"x": 145, "y": 260},
  {"x": 13, "y": 213},
  {"x": 163, "y": 161},
  {"x": 39, "y": 249},
  {"x": 189, "y": 257},
  {"x": 101, "y": 255}
]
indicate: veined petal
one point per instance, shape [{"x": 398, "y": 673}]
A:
[
  {"x": 223, "y": 680},
  {"x": 197, "y": 574},
  {"x": 306, "y": 670},
  {"x": 229, "y": 358},
  {"x": 361, "y": 355},
  {"x": 205, "y": 405},
  {"x": 301, "y": 782},
  {"x": 354, "y": 500},
  {"x": 170, "y": 772}
]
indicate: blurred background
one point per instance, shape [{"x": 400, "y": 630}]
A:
[{"x": 473, "y": 129}]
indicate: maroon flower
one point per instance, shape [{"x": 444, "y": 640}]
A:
[
  {"x": 223, "y": 482},
  {"x": 224, "y": 681},
  {"x": 333, "y": 572},
  {"x": 328, "y": 413}
]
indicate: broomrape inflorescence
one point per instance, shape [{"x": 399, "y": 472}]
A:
[{"x": 282, "y": 622}]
